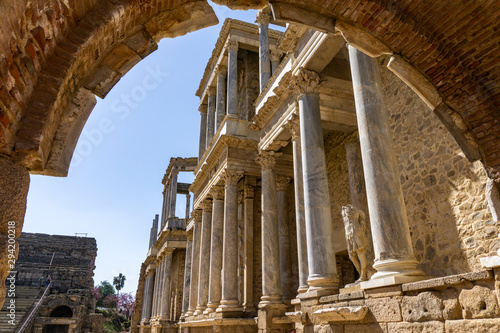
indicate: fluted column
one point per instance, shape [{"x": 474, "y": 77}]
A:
[
  {"x": 232, "y": 79},
  {"x": 391, "y": 236},
  {"x": 168, "y": 188},
  {"x": 187, "y": 274},
  {"x": 300, "y": 218},
  {"x": 319, "y": 231},
  {"x": 156, "y": 288},
  {"x": 163, "y": 209},
  {"x": 167, "y": 276},
  {"x": 230, "y": 300},
  {"x": 148, "y": 300},
  {"x": 263, "y": 18},
  {"x": 284, "y": 239},
  {"x": 211, "y": 114},
  {"x": 195, "y": 263},
  {"x": 188, "y": 206},
  {"x": 203, "y": 130},
  {"x": 221, "y": 72},
  {"x": 271, "y": 285},
  {"x": 145, "y": 301},
  {"x": 204, "y": 275},
  {"x": 275, "y": 61},
  {"x": 173, "y": 193},
  {"x": 248, "y": 247},
  {"x": 215, "y": 286}
]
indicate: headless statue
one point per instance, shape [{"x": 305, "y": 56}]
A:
[{"x": 357, "y": 242}]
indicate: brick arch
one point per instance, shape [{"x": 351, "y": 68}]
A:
[
  {"x": 453, "y": 45},
  {"x": 59, "y": 53}
]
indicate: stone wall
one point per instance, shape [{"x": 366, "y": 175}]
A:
[{"x": 73, "y": 264}]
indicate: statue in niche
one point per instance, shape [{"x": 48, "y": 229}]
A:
[{"x": 357, "y": 239}]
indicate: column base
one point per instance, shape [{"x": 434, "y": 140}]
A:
[
  {"x": 270, "y": 301},
  {"x": 199, "y": 310},
  {"x": 211, "y": 307},
  {"x": 396, "y": 267},
  {"x": 302, "y": 289},
  {"x": 190, "y": 312},
  {"x": 229, "y": 306},
  {"x": 323, "y": 283}
]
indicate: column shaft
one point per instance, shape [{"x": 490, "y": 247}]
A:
[
  {"x": 263, "y": 18},
  {"x": 149, "y": 296},
  {"x": 215, "y": 286},
  {"x": 203, "y": 131},
  {"x": 187, "y": 275},
  {"x": 188, "y": 206},
  {"x": 248, "y": 248},
  {"x": 232, "y": 80},
  {"x": 319, "y": 231},
  {"x": 195, "y": 263},
  {"x": 167, "y": 276},
  {"x": 204, "y": 275},
  {"x": 230, "y": 300},
  {"x": 221, "y": 95},
  {"x": 271, "y": 282},
  {"x": 284, "y": 241},
  {"x": 210, "y": 115},
  {"x": 173, "y": 193},
  {"x": 389, "y": 224},
  {"x": 144, "y": 316},
  {"x": 155, "y": 293}
]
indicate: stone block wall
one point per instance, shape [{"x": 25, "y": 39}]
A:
[{"x": 73, "y": 264}]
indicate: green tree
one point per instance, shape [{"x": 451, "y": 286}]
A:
[
  {"x": 119, "y": 282},
  {"x": 102, "y": 291}
]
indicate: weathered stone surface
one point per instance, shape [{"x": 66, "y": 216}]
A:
[
  {"x": 366, "y": 328},
  {"x": 424, "y": 307},
  {"x": 428, "y": 327},
  {"x": 384, "y": 309},
  {"x": 473, "y": 326},
  {"x": 452, "y": 309},
  {"x": 328, "y": 328},
  {"x": 478, "y": 302}
]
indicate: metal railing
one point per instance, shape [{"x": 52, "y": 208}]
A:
[{"x": 34, "y": 311}]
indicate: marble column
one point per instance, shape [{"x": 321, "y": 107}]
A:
[
  {"x": 173, "y": 192},
  {"x": 229, "y": 301},
  {"x": 271, "y": 285},
  {"x": 195, "y": 263},
  {"x": 188, "y": 206},
  {"x": 144, "y": 317},
  {"x": 211, "y": 91},
  {"x": 221, "y": 72},
  {"x": 187, "y": 274},
  {"x": 163, "y": 209},
  {"x": 284, "y": 240},
  {"x": 149, "y": 295},
  {"x": 203, "y": 130},
  {"x": 215, "y": 286},
  {"x": 167, "y": 208},
  {"x": 300, "y": 218},
  {"x": 167, "y": 276},
  {"x": 391, "y": 236},
  {"x": 232, "y": 79},
  {"x": 156, "y": 291},
  {"x": 275, "y": 61},
  {"x": 319, "y": 231},
  {"x": 161, "y": 288},
  {"x": 248, "y": 248},
  {"x": 204, "y": 270},
  {"x": 263, "y": 18}
]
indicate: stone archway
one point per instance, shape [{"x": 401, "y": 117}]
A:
[{"x": 57, "y": 54}]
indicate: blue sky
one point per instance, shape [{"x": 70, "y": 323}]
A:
[{"x": 114, "y": 188}]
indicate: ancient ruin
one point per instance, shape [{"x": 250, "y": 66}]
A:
[{"x": 389, "y": 106}]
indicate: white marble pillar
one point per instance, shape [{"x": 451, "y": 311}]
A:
[
  {"x": 271, "y": 281},
  {"x": 168, "y": 188},
  {"x": 319, "y": 231},
  {"x": 232, "y": 79},
  {"x": 147, "y": 281},
  {"x": 157, "y": 290},
  {"x": 248, "y": 248},
  {"x": 300, "y": 218},
  {"x": 221, "y": 72},
  {"x": 203, "y": 130},
  {"x": 188, "y": 206},
  {"x": 195, "y": 263},
  {"x": 215, "y": 286},
  {"x": 284, "y": 240},
  {"x": 204, "y": 275},
  {"x": 263, "y": 18},
  {"x": 211, "y": 91},
  {"x": 173, "y": 192},
  {"x": 167, "y": 276},
  {"x": 163, "y": 209},
  {"x": 229, "y": 301},
  {"x": 391, "y": 236},
  {"x": 148, "y": 299},
  {"x": 187, "y": 274},
  {"x": 275, "y": 60}
]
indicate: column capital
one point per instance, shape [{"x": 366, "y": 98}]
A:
[
  {"x": 167, "y": 252},
  {"x": 231, "y": 177},
  {"x": 203, "y": 108},
  {"x": 221, "y": 70},
  {"x": 293, "y": 126},
  {"x": 196, "y": 215},
  {"x": 264, "y": 16},
  {"x": 305, "y": 81},
  {"x": 232, "y": 45},
  {"x": 267, "y": 159},
  {"x": 207, "y": 206},
  {"x": 249, "y": 191},
  {"x": 275, "y": 55},
  {"x": 217, "y": 192},
  {"x": 282, "y": 183},
  {"x": 211, "y": 91}
]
